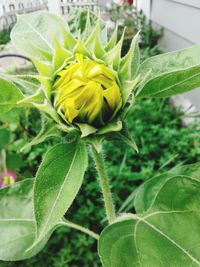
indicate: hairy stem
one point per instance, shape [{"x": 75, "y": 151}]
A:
[
  {"x": 105, "y": 187},
  {"x": 79, "y": 228}
]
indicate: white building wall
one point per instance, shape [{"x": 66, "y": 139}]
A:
[{"x": 181, "y": 22}]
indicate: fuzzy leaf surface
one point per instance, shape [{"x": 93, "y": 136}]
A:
[
  {"x": 9, "y": 96},
  {"x": 34, "y": 34},
  {"x": 167, "y": 234},
  {"x": 171, "y": 73},
  {"x": 17, "y": 224},
  {"x": 147, "y": 192},
  {"x": 58, "y": 181}
]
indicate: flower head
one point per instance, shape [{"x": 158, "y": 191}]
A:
[
  {"x": 86, "y": 83},
  {"x": 87, "y": 92},
  {"x": 7, "y": 178}
]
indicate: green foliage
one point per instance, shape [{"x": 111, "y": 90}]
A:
[
  {"x": 9, "y": 96},
  {"x": 4, "y": 137},
  {"x": 5, "y": 35},
  {"x": 60, "y": 174},
  {"x": 170, "y": 74},
  {"x": 163, "y": 143},
  {"x": 143, "y": 201},
  {"x": 172, "y": 211},
  {"x": 17, "y": 226},
  {"x": 39, "y": 31},
  {"x": 57, "y": 183}
]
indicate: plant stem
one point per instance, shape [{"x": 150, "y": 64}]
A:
[
  {"x": 80, "y": 228},
  {"x": 104, "y": 184},
  {"x": 3, "y": 160}
]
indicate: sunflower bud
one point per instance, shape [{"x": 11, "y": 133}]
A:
[{"x": 86, "y": 92}]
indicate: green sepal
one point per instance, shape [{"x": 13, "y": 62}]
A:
[
  {"x": 80, "y": 47},
  {"x": 93, "y": 43},
  {"x": 70, "y": 41},
  {"x": 47, "y": 84},
  {"x": 44, "y": 68},
  {"x": 113, "y": 126},
  {"x": 130, "y": 63},
  {"x": 86, "y": 129},
  {"x": 128, "y": 88},
  {"x": 113, "y": 40},
  {"x": 88, "y": 26},
  {"x": 60, "y": 55},
  {"x": 113, "y": 57}
]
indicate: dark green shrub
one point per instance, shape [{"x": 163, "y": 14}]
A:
[{"x": 5, "y": 35}]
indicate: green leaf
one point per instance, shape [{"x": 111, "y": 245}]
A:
[
  {"x": 146, "y": 193},
  {"x": 17, "y": 224},
  {"x": 30, "y": 101},
  {"x": 166, "y": 235},
  {"x": 9, "y": 96},
  {"x": 58, "y": 181},
  {"x": 4, "y": 137},
  {"x": 40, "y": 28},
  {"x": 27, "y": 83},
  {"x": 171, "y": 73}
]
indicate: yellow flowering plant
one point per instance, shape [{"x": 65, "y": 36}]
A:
[{"x": 84, "y": 89}]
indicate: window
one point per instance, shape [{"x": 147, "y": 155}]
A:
[
  {"x": 11, "y": 7},
  {"x": 21, "y": 6}
]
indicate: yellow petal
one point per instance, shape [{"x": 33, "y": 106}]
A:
[{"x": 112, "y": 96}]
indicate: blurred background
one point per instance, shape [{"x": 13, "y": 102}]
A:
[{"x": 166, "y": 131}]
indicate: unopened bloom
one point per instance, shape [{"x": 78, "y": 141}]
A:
[
  {"x": 7, "y": 178},
  {"x": 87, "y": 86},
  {"x": 87, "y": 92}
]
